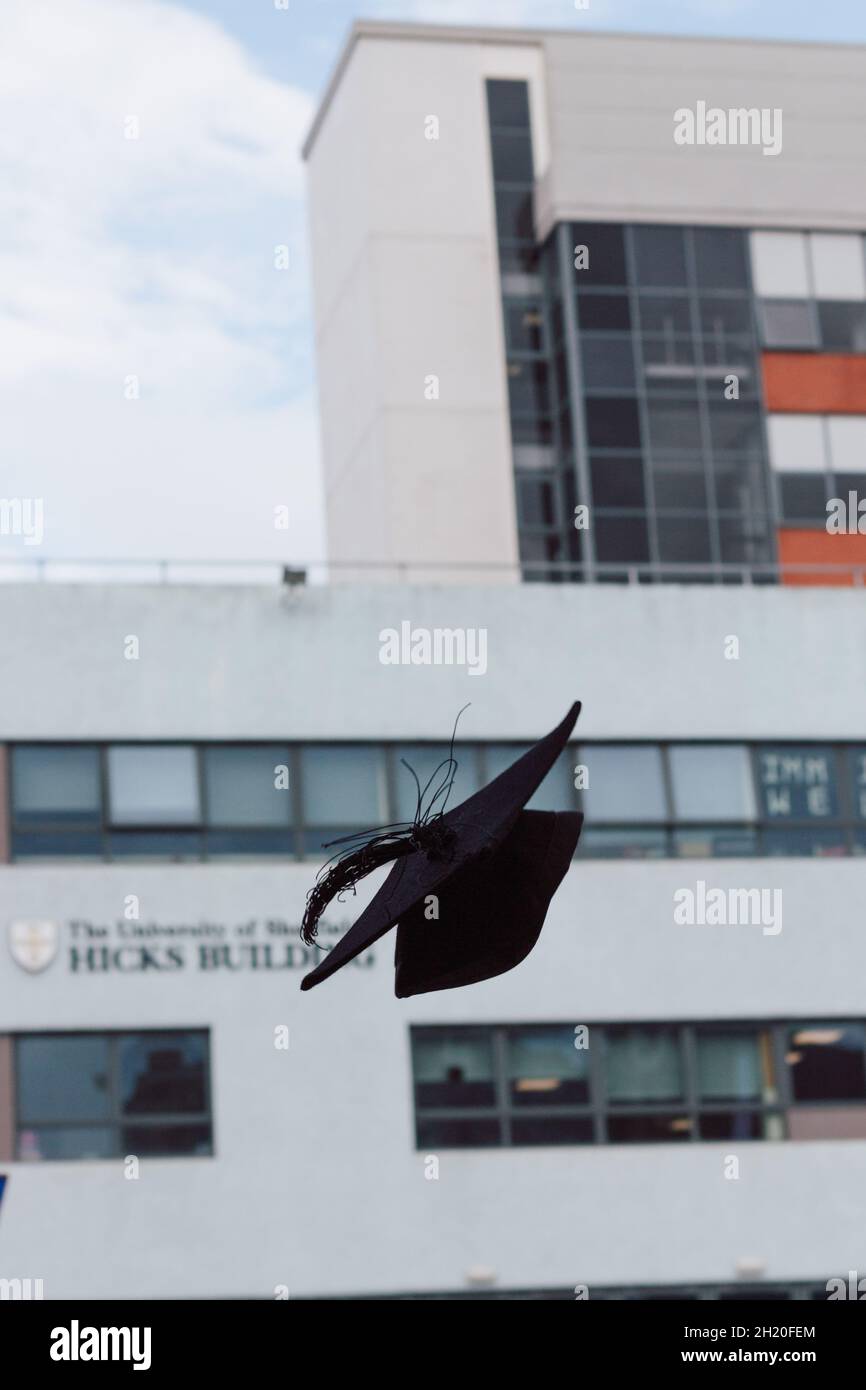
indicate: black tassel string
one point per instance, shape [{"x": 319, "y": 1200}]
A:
[{"x": 370, "y": 849}]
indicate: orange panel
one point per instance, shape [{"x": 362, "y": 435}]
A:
[
  {"x": 820, "y": 547},
  {"x": 815, "y": 383}
]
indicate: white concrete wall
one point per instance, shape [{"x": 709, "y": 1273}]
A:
[
  {"x": 252, "y": 663},
  {"x": 406, "y": 286},
  {"x": 316, "y": 1183}
]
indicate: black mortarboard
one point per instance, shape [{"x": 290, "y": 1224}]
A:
[{"x": 492, "y": 866}]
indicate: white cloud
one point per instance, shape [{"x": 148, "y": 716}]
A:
[{"x": 154, "y": 257}]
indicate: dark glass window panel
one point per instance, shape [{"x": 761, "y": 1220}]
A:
[
  {"x": 162, "y": 1073},
  {"x": 788, "y": 323},
  {"x": 536, "y": 502},
  {"x": 720, "y": 258},
  {"x": 545, "y": 1067},
  {"x": 524, "y": 326},
  {"x": 664, "y": 317},
  {"x": 514, "y": 215},
  {"x": 642, "y": 1064},
  {"x": 744, "y": 540},
  {"x": 604, "y": 241},
  {"x": 625, "y": 843},
  {"x": 512, "y": 156},
  {"x": 608, "y": 363},
  {"x": 571, "y": 1130},
  {"x": 62, "y": 1077},
  {"x": 805, "y": 843},
  {"x": 735, "y": 427},
  {"x": 453, "y": 1070},
  {"x": 612, "y": 422},
  {"x": 528, "y": 387},
  {"x": 457, "y": 1134},
  {"x": 857, "y": 770},
  {"x": 617, "y": 481},
  {"x": 843, "y": 325},
  {"x": 55, "y": 784},
  {"x": 804, "y": 496},
  {"x": 856, "y": 483},
  {"x": 684, "y": 539},
  {"x": 715, "y": 842},
  {"x": 797, "y": 782},
  {"x": 731, "y": 1064},
  {"x": 168, "y": 1141},
  {"x": 739, "y": 483},
  {"x": 726, "y": 319},
  {"x": 648, "y": 1129},
  {"x": 228, "y": 844},
  {"x": 660, "y": 255},
  {"x": 508, "y": 103},
  {"x": 62, "y": 1142},
  {"x": 50, "y": 844},
  {"x": 731, "y": 1124},
  {"x": 621, "y": 538},
  {"x": 531, "y": 429},
  {"x": 826, "y": 1061},
  {"x": 674, "y": 424},
  {"x": 604, "y": 312},
  {"x": 241, "y": 785},
  {"x": 667, "y": 380},
  {"x": 175, "y": 845},
  {"x": 680, "y": 484}
]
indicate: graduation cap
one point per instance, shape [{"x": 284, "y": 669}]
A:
[{"x": 491, "y": 865}]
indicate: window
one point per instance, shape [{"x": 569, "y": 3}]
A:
[
  {"x": 780, "y": 265},
  {"x": 248, "y": 799},
  {"x": 660, "y": 254},
  {"x": 153, "y": 785},
  {"x": 56, "y": 784},
  {"x": 827, "y": 1061},
  {"x": 706, "y": 1081},
  {"x": 838, "y": 267},
  {"x": 625, "y": 783},
  {"x": 720, "y": 258},
  {"x": 343, "y": 790},
  {"x": 711, "y": 782},
  {"x": 788, "y": 323},
  {"x": 606, "y": 247},
  {"x": 843, "y": 326},
  {"x": 105, "y": 1095}
]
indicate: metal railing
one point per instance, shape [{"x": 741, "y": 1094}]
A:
[{"x": 27, "y": 569}]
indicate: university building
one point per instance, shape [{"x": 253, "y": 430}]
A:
[{"x": 533, "y": 307}]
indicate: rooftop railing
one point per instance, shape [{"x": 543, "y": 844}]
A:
[{"x": 275, "y": 572}]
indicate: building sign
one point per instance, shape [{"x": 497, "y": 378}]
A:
[
  {"x": 156, "y": 948},
  {"x": 797, "y": 783}
]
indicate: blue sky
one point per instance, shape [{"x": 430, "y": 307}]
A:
[{"x": 151, "y": 169}]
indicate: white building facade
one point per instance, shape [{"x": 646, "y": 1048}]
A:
[{"x": 668, "y": 1097}]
